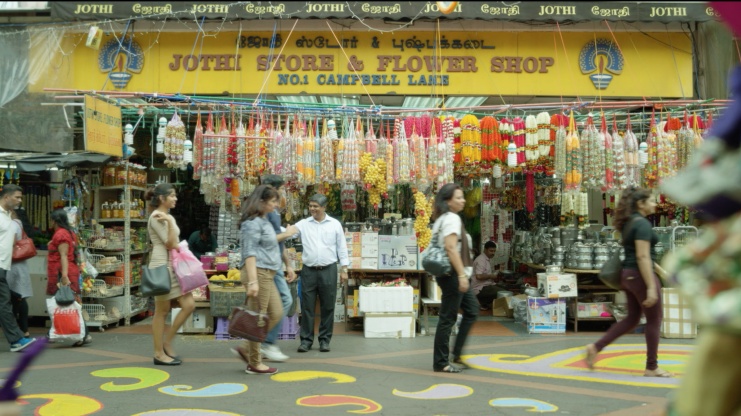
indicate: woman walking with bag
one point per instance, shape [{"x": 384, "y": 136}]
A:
[
  {"x": 164, "y": 233},
  {"x": 456, "y": 286},
  {"x": 61, "y": 268},
  {"x": 19, "y": 281},
  {"x": 638, "y": 280},
  {"x": 261, "y": 259}
]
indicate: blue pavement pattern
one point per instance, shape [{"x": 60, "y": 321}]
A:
[{"x": 509, "y": 375}]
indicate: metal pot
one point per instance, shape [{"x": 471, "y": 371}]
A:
[
  {"x": 601, "y": 258},
  {"x": 552, "y": 269},
  {"x": 559, "y": 250},
  {"x": 584, "y": 265}
]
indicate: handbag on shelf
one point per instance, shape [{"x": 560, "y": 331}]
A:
[
  {"x": 611, "y": 272},
  {"x": 436, "y": 261},
  {"x": 250, "y": 325},
  {"x": 24, "y": 248}
]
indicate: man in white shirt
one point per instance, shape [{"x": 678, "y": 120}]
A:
[
  {"x": 323, "y": 240},
  {"x": 484, "y": 281},
  {"x": 10, "y": 199}
]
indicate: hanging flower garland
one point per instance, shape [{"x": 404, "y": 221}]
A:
[
  {"x": 618, "y": 154},
  {"x": 606, "y": 138},
  {"x": 327, "y": 154},
  {"x": 279, "y": 154},
  {"x": 505, "y": 132},
  {"x": 422, "y": 212},
  {"x": 198, "y": 149},
  {"x": 489, "y": 127},
  {"x": 558, "y": 134},
  {"x": 530, "y": 191},
  {"x": 650, "y": 171},
  {"x": 518, "y": 136},
  {"x": 573, "y": 158},
  {"x": 232, "y": 159},
  {"x": 544, "y": 137},
  {"x": 175, "y": 134},
  {"x": 532, "y": 151},
  {"x": 405, "y": 160},
  {"x": 633, "y": 173}
]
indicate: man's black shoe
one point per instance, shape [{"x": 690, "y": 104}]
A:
[
  {"x": 324, "y": 346},
  {"x": 304, "y": 347}
]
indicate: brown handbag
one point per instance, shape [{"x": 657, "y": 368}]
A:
[
  {"x": 24, "y": 248},
  {"x": 250, "y": 325}
]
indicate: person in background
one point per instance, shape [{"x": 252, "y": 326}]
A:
[
  {"x": 11, "y": 197},
  {"x": 260, "y": 262},
  {"x": 638, "y": 280},
  {"x": 164, "y": 233},
  {"x": 456, "y": 287},
  {"x": 323, "y": 240},
  {"x": 269, "y": 348},
  {"x": 19, "y": 281},
  {"x": 61, "y": 266},
  {"x": 485, "y": 282},
  {"x": 201, "y": 242}
]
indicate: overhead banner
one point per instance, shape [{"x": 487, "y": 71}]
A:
[
  {"x": 515, "y": 11},
  {"x": 402, "y": 63},
  {"x": 103, "y": 127}
]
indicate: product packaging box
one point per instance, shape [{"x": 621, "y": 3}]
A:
[
  {"x": 592, "y": 310},
  {"x": 397, "y": 252},
  {"x": 369, "y": 245},
  {"x": 386, "y": 299},
  {"x": 432, "y": 290},
  {"x": 558, "y": 285},
  {"x": 677, "y": 321},
  {"x": 389, "y": 325},
  {"x": 546, "y": 316},
  {"x": 502, "y": 307},
  {"x": 369, "y": 263},
  {"x": 199, "y": 322}
]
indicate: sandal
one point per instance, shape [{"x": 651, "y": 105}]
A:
[
  {"x": 461, "y": 364},
  {"x": 658, "y": 373},
  {"x": 449, "y": 369},
  {"x": 591, "y": 356}
]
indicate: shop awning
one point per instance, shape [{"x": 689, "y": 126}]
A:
[
  {"x": 525, "y": 11},
  {"x": 43, "y": 162}
]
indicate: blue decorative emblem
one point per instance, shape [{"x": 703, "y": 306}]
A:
[
  {"x": 121, "y": 60},
  {"x": 602, "y": 56}
]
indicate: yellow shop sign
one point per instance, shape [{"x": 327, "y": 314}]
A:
[
  {"x": 102, "y": 127},
  {"x": 403, "y": 62}
]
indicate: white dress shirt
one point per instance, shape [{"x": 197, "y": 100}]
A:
[
  {"x": 7, "y": 239},
  {"x": 323, "y": 242}
]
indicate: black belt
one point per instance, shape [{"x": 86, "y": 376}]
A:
[{"x": 326, "y": 266}]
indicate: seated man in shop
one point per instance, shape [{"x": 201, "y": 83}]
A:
[
  {"x": 484, "y": 281},
  {"x": 201, "y": 242}
]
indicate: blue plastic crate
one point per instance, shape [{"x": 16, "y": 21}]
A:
[
  {"x": 289, "y": 328},
  {"x": 222, "y": 330}
]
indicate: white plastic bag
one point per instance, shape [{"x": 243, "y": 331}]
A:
[{"x": 66, "y": 321}]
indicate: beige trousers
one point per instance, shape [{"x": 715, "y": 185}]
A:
[{"x": 268, "y": 295}]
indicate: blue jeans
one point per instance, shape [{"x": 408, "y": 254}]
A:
[{"x": 286, "y": 300}]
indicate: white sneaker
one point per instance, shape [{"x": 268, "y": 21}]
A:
[{"x": 272, "y": 353}]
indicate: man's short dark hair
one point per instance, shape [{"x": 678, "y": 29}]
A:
[
  {"x": 319, "y": 199},
  {"x": 490, "y": 244},
  {"x": 10, "y": 189},
  {"x": 276, "y": 181},
  {"x": 206, "y": 231}
]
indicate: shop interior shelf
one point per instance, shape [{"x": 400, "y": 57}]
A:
[
  {"x": 106, "y": 220},
  {"x": 121, "y": 187}
]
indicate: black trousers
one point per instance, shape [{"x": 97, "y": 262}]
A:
[
  {"x": 452, "y": 300},
  {"x": 7, "y": 320},
  {"x": 487, "y": 295},
  {"x": 320, "y": 284}
]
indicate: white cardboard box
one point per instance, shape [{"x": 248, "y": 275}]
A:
[
  {"x": 386, "y": 299},
  {"x": 558, "y": 285},
  {"x": 432, "y": 289},
  {"x": 200, "y": 321},
  {"x": 397, "y": 252},
  {"x": 369, "y": 245},
  {"x": 389, "y": 325},
  {"x": 369, "y": 263}
]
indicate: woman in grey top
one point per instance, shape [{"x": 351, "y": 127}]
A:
[{"x": 260, "y": 260}]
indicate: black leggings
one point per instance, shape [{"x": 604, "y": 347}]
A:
[{"x": 20, "y": 310}]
